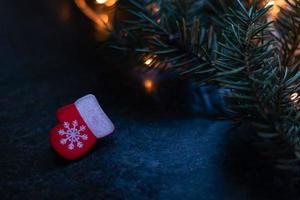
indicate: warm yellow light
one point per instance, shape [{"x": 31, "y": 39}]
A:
[
  {"x": 274, "y": 11},
  {"x": 156, "y": 8},
  {"x": 110, "y": 2},
  {"x": 104, "y": 18},
  {"x": 270, "y": 3},
  {"x": 148, "y": 84},
  {"x": 295, "y": 97},
  {"x": 148, "y": 61},
  {"x": 101, "y": 1}
]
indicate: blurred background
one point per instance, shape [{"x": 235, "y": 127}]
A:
[{"x": 53, "y": 52}]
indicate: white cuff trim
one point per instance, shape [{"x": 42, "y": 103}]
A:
[{"x": 94, "y": 116}]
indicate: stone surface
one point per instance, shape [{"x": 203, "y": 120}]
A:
[{"x": 49, "y": 59}]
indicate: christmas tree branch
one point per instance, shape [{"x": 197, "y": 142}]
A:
[
  {"x": 237, "y": 52},
  {"x": 170, "y": 34},
  {"x": 261, "y": 86}
]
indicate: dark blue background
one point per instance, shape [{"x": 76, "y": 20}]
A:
[{"x": 48, "y": 58}]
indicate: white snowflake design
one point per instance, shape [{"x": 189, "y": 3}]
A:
[{"x": 73, "y": 135}]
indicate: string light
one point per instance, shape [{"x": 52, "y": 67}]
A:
[
  {"x": 101, "y": 1},
  {"x": 148, "y": 61},
  {"x": 148, "y": 84},
  {"x": 101, "y": 16},
  {"x": 295, "y": 97},
  {"x": 107, "y": 3},
  {"x": 153, "y": 8},
  {"x": 270, "y": 3},
  {"x": 110, "y": 3},
  {"x": 277, "y": 4},
  {"x": 104, "y": 18}
]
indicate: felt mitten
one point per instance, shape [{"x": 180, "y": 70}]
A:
[{"x": 79, "y": 126}]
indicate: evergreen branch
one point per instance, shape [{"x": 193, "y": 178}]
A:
[
  {"x": 170, "y": 33},
  {"x": 262, "y": 73},
  {"x": 261, "y": 86}
]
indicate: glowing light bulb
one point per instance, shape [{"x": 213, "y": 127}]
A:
[
  {"x": 104, "y": 18},
  {"x": 277, "y": 4},
  {"x": 295, "y": 97},
  {"x": 148, "y": 61},
  {"x": 110, "y": 3},
  {"x": 156, "y": 8},
  {"x": 270, "y": 3},
  {"x": 148, "y": 84},
  {"x": 101, "y": 1}
]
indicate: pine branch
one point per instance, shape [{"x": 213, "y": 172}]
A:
[
  {"x": 261, "y": 86},
  {"x": 262, "y": 73},
  {"x": 169, "y": 34}
]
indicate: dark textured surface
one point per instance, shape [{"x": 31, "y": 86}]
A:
[{"x": 47, "y": 60}]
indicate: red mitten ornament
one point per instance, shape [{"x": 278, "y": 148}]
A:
[{"x": 79, "y": 126}]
